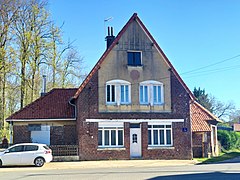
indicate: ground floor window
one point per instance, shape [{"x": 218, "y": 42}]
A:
[
  {"x": 159, "y": 135},
  {"x": 110, "y": 136}
]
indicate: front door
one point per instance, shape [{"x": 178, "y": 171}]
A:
[{"x": 135, "y": 142}]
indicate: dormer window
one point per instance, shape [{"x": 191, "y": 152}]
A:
[
  {"x": 118, "y": 92},
  {"x": 134, "y": 58}
]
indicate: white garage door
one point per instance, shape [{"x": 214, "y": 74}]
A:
[{"x": 42, "y": 136}]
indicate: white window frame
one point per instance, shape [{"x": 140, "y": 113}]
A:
[
  {"x": 106, "y": 126},
  {"x": 150, "y": 84},
  {"x": 165, "y": 128},
  {"x": 117, "y": 83}
]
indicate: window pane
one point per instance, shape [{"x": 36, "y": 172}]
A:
[
  {"x": 126, "y": 93},
  {"x": 155, "y": 136},
  {"x": 113, "y": 137},
  {"x": 137, "y": 58},
  {"x": 161, "y": 137},
  {"x": 122, "y": 93},
  {"x": 106, "y": 137},
  {"x": 145, "y": 94},
  {"x": 159, "y": 94},
  {"x": 100, "y": 137},
  {"x": 141, "y": 93},
  {"x": 168, "y": 126},
  {"x": 158, "y": 126},
  {"x": 130, "y": 58},
  {"x": 16, "y": 149},
  {"x": 113, "y": 93},
  {"x": 120, "y": 137},
  {"x": 31, "y": 148},
  {"x": 134, "y": 138},
  {"x": 108, "y": 93},
  {"x": 169, "y": 137},
  {"x": 155, "y": 94},
  {"x": 149, "y": 137}
]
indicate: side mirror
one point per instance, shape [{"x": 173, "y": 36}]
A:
[{"x": 6, "y": 151}]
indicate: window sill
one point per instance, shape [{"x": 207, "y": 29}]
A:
[
  {"x": 111, "y": 148},
  {"x": 135, "y": 67},
  {"x": 161, "y": 147},
  {"x": 115, "y": 104},
  {"x": 148, "y": 104}
]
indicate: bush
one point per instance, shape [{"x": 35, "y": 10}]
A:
[{"x": 229, "y": 139}]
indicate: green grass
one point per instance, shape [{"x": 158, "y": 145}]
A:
[{"x": 223, "y": 156}]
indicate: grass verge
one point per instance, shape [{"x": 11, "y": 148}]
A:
[{"x": 222, "y": 157}]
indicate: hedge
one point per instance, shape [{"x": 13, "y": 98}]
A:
[{"x": 229, "y": 139}]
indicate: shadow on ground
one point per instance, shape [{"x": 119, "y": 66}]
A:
[{"x": 201, "y": 176}]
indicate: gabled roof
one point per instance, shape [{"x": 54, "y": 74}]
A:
[
  {"x": 98, "y": 64},
  {"x": 54, "y": 105},
  {"x": 201, "y": 118}
]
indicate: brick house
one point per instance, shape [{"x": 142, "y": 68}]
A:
[{"x": 133, "y": 104}]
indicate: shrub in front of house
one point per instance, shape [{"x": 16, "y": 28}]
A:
[{"x": 229, "y": 139}]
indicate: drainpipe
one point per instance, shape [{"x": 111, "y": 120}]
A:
[{"x": 75, "y": 107}]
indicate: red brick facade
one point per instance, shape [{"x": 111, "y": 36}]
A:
[
  {"x": 87, "y": 104},
  {"x": 59, "y": 135}
]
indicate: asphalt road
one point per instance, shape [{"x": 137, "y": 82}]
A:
[{"x": 69, "y": 171}]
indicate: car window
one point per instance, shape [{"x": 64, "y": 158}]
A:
[
  {"x": 31, "y": 148},
  {"x": 46, "y": 147},
  {"x": 16, "y": 149}
]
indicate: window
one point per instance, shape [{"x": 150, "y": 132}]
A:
[
  {"x": 31, "y": 148},
  {"x": 118, "y": 92},
  {"x": 16, "y": 149},
  {"x": 110, "y": 137},
  {"x": 111, "y": 93},
  {"x": 134, "y": 58},
  {"x": 151, "y": 92},
  {"x": 110, "y": 134},
  {"x": 134, "y": 138},
  {"x": 160, "y": 135}
]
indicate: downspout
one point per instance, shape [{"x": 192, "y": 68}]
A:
[{"x": 74, "y": 105}]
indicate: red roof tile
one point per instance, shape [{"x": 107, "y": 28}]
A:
[
  {"x": 54, "y": 105},
  {"x": 199, "y": 118}
]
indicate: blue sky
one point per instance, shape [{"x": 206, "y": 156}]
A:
[{"x": 192, "y": 33}]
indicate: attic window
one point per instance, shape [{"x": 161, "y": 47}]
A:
[{"x": 134, "y": 58}]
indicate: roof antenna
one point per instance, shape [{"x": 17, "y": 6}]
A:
[{"x": 105, "y": 21}]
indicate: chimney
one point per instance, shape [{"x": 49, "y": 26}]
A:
[
  {"x": 110, "y": 37},
  {"x": 44, "y": 86}
]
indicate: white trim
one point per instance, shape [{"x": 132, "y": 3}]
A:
[
  {"x": 21, "y": 120},
  {"x": 109, "y": 124},
  {"x": 136, "y": 120}
]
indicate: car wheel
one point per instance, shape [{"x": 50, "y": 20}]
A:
[
  {"x": 39, "y": 162},
  {"x": 0, "y": 163}
]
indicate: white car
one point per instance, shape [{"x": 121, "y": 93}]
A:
[{"x": 26, "y": 154}]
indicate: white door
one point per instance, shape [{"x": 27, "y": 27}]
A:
[
  {"x": 42, "y": 136},
  {"x": 135, "y": 143}
]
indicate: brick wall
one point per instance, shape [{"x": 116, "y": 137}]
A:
[
  {"x": 59, "y": 135},
  {"x": 21, "y": 134},
  {"x": 63, "y": 135},
  {"x": 87, "y": 104}
]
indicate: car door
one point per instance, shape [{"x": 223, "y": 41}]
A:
[
  {"x": 13, "y": 155},
  {"x": 28, "y": 154}
]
